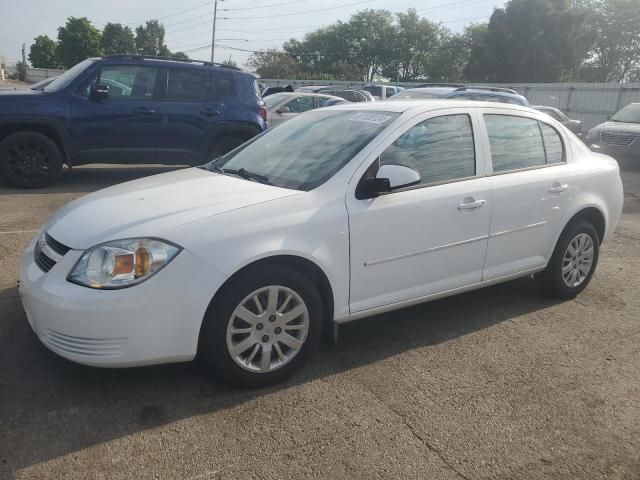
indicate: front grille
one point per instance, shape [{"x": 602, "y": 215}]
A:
[
  {"x": 55, "y": 245},
  {"x": 94, "y": 347},
  {"x": 617, "y": 139},
  {"x": 48, "y": 252}
]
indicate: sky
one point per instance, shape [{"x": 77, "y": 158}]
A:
[{"x": 242, "y": 24}]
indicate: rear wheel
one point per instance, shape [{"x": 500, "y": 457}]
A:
[
  {"x": 573, "y": 261},
  {"x": 262, "y": 327},
  {"x": 224, "y": 145},
  {"x": 30, "y": 160}
]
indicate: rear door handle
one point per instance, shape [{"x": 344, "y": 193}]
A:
[
  {"x": 144, "y": 111},
  {"x": 471, "y": 204},
  {"x": 558, "y": 188},
  {"x": 209, "y": 112}
]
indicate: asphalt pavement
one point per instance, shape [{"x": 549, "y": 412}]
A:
[{"x": 498, "y": 383}]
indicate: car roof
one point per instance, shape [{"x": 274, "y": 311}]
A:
[
  {"x": 488, "y": 93},
  {"x": 543, "y": 107},
  {"x": 429, "y": 89},
  {"x": 169, "y": 62},
  {"x": 303, "y": 94},
  {"x": 401, "y": 106}
]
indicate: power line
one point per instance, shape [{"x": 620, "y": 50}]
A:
[
  {"x": 263, "y": 6},
  {"x": 164, "y": 16},
  {"x": 300, "y": 13}
]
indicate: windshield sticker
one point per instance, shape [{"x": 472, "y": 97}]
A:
[{"x": 370, "y": 118}]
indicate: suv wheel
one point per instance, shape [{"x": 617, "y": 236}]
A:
[
  {"x": 225, "y": 145},
  {"x": 30, "y": 160},
  {"x": 262, "y": 327}
]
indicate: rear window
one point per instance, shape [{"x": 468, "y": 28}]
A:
[{"x": 197, "y": 85}]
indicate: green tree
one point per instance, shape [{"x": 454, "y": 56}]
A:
[
  {"x": 180, "y": 55},
  {"x": 273, "y": 63},
  {"x": 42, "y": 53},
  {"x": 150, "y": 39},
  {"x": 533, "y": 41},
  {"x": 230, "y": 63},
  {"x": 117, "y": 39},
  {"x": 616, "y": 52},
  {"x": 77, "y": 40}
]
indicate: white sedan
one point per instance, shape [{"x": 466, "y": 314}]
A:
[
  {"x": 284, "y": 106},
  {"x": 337, "y": 214}
]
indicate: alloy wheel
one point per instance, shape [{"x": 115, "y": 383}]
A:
[{"x": 578, "y": 260}]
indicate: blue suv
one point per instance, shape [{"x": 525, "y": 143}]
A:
[{"x": 127, "y": 109}]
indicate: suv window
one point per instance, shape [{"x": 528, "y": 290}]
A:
[
  {"x": 440, "y": 149},
  {"x": 390, "y": 91},
  {"x": 301, "y": 104},
  {"x": 125, "y": 81},
  {"x": 188, "y": 84},
  {"x": 516, "y": 142}
]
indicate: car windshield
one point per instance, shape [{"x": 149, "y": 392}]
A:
[
  {"x": 67, "y": 77},
  {"x": 408, "y": 95},
  {"x": 272, "y": 100},
  {"x": 629, "y": 114},
  {"x": 307, "y": 150}
]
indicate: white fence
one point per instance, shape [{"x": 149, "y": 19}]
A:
[
  {"x": 591, "y": 103},
  {"x": 35, "y": 75}
]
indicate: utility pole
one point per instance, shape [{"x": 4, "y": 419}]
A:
[
  {"x": 23, "y": 74},
  {"x": 213, "y": 30}
]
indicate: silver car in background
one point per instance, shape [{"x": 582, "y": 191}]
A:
[
  {"x": 286, "y": 105},
  {"x": 619, "y": 136},
  {"x": 574, "y": 125}
]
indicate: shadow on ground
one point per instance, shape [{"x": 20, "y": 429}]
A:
[{"x": 51, "y": 407}]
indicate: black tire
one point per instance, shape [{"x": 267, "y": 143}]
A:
[
  {"x": 224, "y": 145},
  {"x": 213, "y": 336},
  {"x": 551, "y": 279},
  {"x": 30, "y": 160}
]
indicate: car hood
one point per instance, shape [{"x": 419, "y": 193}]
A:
[
  {"x": 154, "y": 206},
  {"x": 619, "y": 127}
]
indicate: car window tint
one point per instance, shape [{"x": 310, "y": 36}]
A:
[
  {"x": 516, "y": 142},
  {"x": 184, "y": 84},
  {"x": 301, "y": 104},
  {"x": 221, "y": 84},
  {"x": 390, "y": 92},
  {"x": 126, "y": 81},
  {"x": 439, "y": 149},
  {"x": 552, "y": 144}
]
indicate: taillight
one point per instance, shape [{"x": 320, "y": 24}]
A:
[{"x": 263, "y": 112}]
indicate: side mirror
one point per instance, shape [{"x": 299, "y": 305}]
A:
[
  {"x": 388, "y": 178},
  {"x": 99, "y": 92},
  {"x": 284, "y": 109}
]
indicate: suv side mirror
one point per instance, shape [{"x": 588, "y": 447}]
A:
[
  {"x": 99, "y": 92},
  {"x": 284, "y": 109},
  {"x": 388, "y": 178}
]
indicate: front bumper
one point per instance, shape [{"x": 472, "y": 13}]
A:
[
  {"x": 617, "y": 152},
  {"x": 156, "y": 321}
]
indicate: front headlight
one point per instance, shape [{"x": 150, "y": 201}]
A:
[{"x": 122, "y": 263}]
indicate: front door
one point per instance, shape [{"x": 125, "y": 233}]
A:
[
  {"x": 123, "y": 127},
  {"x": 428, "y": 238}
]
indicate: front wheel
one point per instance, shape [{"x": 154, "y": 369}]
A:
[
  {"x": 262, "y": 327},
  {"x": 573, "y": 261},
  {"x": 30, "y": 160}
]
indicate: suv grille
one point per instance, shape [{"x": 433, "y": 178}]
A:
[
  {"x": 617, "y": 139},
  {"x": 48, "y": 252}
]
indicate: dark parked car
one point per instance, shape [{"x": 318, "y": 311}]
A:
[
  {"x": 271, "y": 90},
  {"x": 574, "y": 125},
  {"x": 619, "y": 136},
  {"x": 127, "y": 109}
]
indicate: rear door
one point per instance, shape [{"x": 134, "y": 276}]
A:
[
  {"x": 194, "y": 103},
  {"x": 123, "y": 127},
  {"x": 531, "y": 182}
]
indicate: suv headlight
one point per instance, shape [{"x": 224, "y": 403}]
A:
[{"x": 122, "y": 263}]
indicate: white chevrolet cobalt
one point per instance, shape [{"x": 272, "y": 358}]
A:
[{"x": 337, "y": 214}]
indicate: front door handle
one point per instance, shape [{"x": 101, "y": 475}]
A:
[
  {"x": 471, "y": 204},
  {"x": 558, "y": 188},
  {"x": 144, "y": 111},
  {"x": 209, "y": 112}
]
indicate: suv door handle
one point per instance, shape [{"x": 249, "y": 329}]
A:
[
  {"x": 144, "y": 111},
  {"x": 471, "y": 204},
  {"x": 558, "y": 188},
  {"x": 209, "y": 112}
]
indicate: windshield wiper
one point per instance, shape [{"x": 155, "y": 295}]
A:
[{"x": 247, "y": 175}]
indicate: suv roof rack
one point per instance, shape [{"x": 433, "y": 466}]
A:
[
  {"x": 490, "y": 89},
  {"x": 172, "y": 59},
  {"x": 423, "y": 85}
]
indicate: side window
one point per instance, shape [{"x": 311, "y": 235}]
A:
[
  {"x": 516, "y": 142},
  {"x": 552, "y": 143},
  {"x": 188, "y": 84},
  {"x": 390, "y": 91},
  {"x": 221, "y": 84},
  {"x": 126, "y": 81},
  {"x": 439, "y": 149},
  {"x": 301, "y": 104}
]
